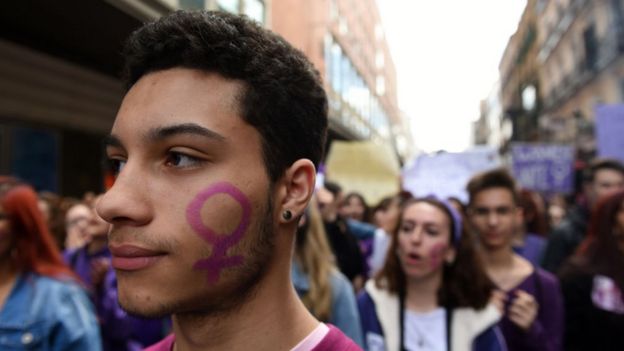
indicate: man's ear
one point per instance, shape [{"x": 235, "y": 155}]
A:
[{"x": 296, "y": 189}]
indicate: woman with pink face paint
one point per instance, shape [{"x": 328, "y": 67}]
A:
[{"x": 432, "y": 292}]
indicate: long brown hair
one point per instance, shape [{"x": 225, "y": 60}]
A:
[
  {"x": 464, "y": 281},
  {"x": 534, "y": 216},
  {"x": 312, "y": 251},
  {"x": 600, "y": 252},
  {"x": 35, "y": 250}
]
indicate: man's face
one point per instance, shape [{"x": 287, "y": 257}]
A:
[
  {"x": 190, "y": 209},
  {"x": 83, "y": 224},
  {"x": 328, "y": 204},
  {"x": 606, "y": 182},
  {"x": 353, "y": 208},
  {"x": 493, "y": 214},
  {"x": 76, "y": 223}
]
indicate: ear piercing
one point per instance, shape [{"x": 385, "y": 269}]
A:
[{"x": 287, "y": 215}]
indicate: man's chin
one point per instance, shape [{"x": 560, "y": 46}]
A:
[{"x": 145, "y": 309}]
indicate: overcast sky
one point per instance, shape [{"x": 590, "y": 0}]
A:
[{"x": 446, "y": 54}]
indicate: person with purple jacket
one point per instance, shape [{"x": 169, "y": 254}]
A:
[
  {"x": 532, "y": 298},
  {"x": 120, "y": 331}
]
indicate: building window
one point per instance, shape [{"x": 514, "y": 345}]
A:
[
  {"x": 379, "y": 60},
  {"x": 255, "y": 10},
  {"x": 232, "y": 6},
  {"x": 591, "y": 47},
  {"x": 192, "y": 4},
  {"x": 34, "y": 157},
  {"x": 379, "y": 32},
  {"x": 381, "y": 85}
]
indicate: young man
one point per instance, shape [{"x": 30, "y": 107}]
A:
[
  {"x": 603, "y": 177},
  {"x": 215, "y": 146},
  {"x": 530, "y": 297}
]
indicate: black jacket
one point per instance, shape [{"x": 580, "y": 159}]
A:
[
  {"x": 565, "y": 238},
  {"x": 346, "y": 249}
]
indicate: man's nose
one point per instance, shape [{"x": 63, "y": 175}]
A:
[{"x": 492, "y": 219}]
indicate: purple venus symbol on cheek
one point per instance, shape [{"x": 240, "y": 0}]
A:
[{"x": 221, "y": 242}]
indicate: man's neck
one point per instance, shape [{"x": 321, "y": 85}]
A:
[
  {"x": 506, "y": 268},
  {"x": 499, "y": 258},
  {"x": 519, "y": 237},
  {"x": 422, "y": 294},
  {"x": 274, "y": 318}
]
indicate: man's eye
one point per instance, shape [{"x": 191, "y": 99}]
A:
[
  {"x": 115, "y": 165},
  {"x": 177, "y": 159},
  {"x": 481, "y": 212},
  {"x": 504, "y": 211}
]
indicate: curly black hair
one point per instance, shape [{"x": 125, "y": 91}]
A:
[{"x": 283, "y": 96}]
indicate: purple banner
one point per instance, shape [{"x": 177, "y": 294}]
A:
[
  {"x": 610, "y": 131},
  {"x": 446, "y": 174},
  {"x": 543, "y": 167}
]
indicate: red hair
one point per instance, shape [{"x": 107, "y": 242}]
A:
[
  {"x": 35, "y": 250},
  {"x": 600, "y": 252}
]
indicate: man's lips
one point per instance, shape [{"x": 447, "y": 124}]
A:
[
  {"x": 131, "y": 258},
  {"x": 492, "y": 234}
]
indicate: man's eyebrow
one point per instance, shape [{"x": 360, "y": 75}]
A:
[
  {"x": 112, "y": 141},
  {"x": 186, "y": 128}
]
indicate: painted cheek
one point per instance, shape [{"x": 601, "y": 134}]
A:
[
  {"x": 437, "y": 255},
  {"x": 220, "y": 242}
]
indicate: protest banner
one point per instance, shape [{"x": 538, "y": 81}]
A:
[
  {"x": 446, "y": 174},
  {"x": 541, "y": 167},
  {"x": 610, "y": 131}
]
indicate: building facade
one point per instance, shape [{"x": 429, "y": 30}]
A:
[
  {"x": 577, "y": 57},
  {"x": 488, "y": 129},
  {"x": 345, "y": 41},
  {"x": 60, "y": 66},
  {"x": 582, "y": 61},
  {"x": 519, "y": 78}
]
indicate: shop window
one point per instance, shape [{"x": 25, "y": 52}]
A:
[{"x": 34, "y": 157}]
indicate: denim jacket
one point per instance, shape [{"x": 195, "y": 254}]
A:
[{"x": 43, "y": 313}]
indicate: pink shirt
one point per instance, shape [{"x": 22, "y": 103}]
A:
[{"x": 334, "y": 340}]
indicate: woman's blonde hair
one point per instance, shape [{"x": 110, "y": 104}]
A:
[{"x": 315, "y": 257}]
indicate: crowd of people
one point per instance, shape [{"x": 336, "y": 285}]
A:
[
  {"x": 406, "y": 274},
  {"x": 214, "y": 235}
]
